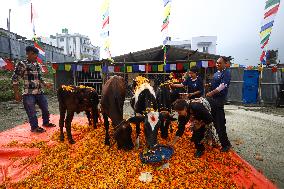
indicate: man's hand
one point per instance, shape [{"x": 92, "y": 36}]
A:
[
  {"x": 48, "y": 85},
  {"x": 189, "y": 95},
  {"x": 210, "y": 94}
]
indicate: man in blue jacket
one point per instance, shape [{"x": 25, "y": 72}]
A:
[{"x": 219, "y": 90}]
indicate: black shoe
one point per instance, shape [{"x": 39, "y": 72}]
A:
[
  {"x": 49, "y": 125},
  {"x": 226, "y": 148},
  {"x": 199, "y": 153},
  {"x": 38, "y": 130}
]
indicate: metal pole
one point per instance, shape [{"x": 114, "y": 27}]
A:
[{"x": 9, "y": 25}]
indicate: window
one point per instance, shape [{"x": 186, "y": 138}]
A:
[
  {"x": 62, "y": 47},
  {"x": 205, "y": 49},
  {"x": 61, "y": 39}
]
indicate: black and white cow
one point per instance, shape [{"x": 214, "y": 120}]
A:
[{"x": 145, "y": 106}]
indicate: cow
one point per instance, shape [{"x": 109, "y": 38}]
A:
[
  {"x": 113, "y": 96},
  {"x": 76, "y": 99},
  {"x": 145, "y": 106},
  {"x": 165, "y": 98}
]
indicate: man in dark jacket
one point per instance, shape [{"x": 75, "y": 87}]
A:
[
  {"x": 219, "y": 91},
  {"x": 200, "y": 112}
]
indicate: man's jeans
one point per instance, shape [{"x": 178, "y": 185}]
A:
[{"x": 29, "y": 102}]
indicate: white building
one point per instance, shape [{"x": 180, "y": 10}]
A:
[
  {"x": 76, "y": 45},
  {"x": 205, "y": 44}
]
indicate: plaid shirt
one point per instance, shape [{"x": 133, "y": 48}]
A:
[{"x": 32, "y": 76}]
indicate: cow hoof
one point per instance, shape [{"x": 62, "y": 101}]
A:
[
  {"x": 61, "y": 138},
  {"x": 107, "y": 143},
  {"x": 72, "y": 141}
]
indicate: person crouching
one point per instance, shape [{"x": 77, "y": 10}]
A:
[{"x": 198, "y": 112}]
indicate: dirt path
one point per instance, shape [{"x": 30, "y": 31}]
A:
[{"x": 13, "y": 113}]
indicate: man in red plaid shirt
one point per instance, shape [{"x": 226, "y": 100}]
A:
[{"x": 30, "y": 72}]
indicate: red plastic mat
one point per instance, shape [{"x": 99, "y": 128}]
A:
[{"x": 12, "y": 167}]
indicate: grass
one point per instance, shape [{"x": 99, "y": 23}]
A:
[{"x": 6, "y": 87}]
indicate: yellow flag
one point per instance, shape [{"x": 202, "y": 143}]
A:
[
  {"x": 282, "y": 70},
  {"x": 67, "y": 67},
  {"x": 160, "y": 67},
  {"x": 107, "y": 44},
  {"x": 129, "y": 69},
  {"x": 98, "y": 68},
  {"x": 167, "y": 10},
  {"x": 265, "y": 33},
  {"x": 105, "y": 6},
  {"x": 192, "y": 64}
]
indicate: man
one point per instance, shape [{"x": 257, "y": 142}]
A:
[
  {"x": 30, "y": 72},
  {"x": 219, "y": 90},
  {"x": 200, "y": 112},
  {"x": 194, "y": 84}
]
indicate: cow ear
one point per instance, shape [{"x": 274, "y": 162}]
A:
[{"x": 136, "y": 119}]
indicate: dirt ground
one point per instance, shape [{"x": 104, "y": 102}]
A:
[{"x": 256, "y": 133}]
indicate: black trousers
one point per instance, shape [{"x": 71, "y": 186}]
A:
[
  {"x": 218, "y": 114},
  {"x": 197, "y": 137}
]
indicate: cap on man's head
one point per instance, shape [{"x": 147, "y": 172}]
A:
[{"x": 32, "y": 49}]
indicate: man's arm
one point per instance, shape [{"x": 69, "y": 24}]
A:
[
  {"x": 18, "y": 73},
  {"x": 225, "y": 82},
  {"x": 43, "y": 82}
]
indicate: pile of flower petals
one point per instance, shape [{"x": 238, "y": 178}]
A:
[{"x": 91, "y": 164}]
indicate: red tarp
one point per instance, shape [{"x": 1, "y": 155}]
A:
[{"x": 13, "y": 169}]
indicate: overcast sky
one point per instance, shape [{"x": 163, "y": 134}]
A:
[{"x": 135, "y": 24}]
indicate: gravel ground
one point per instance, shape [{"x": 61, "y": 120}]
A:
[
  {"x": 256, "y": 133},
  {"x": 258, "y": 138}
]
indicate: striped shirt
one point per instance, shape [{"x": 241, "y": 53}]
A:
[{"x": 31, "y": 73}]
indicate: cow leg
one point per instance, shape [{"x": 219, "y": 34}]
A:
[
  {"x": 138, "y": 130},
  {"x": 61, "y": 122},
  {"x": 88, "y": 113},
  {"x": 68, "y": 121},
  {"x": 95, "y": 117},
  {"x": 165, "y": 128},
  {"x": 106, "y": 123}
]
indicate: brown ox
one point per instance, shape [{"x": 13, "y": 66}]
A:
[{"x": 113, "y": 96}]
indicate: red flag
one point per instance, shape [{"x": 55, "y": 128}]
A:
[
  {"x": 262, "y": 56},
  {"x": 106, "y": 22},
  {"x": 9, "y": 66},
  {"x": 265, "y": 43},
  {"x": 179, "y": 66},
  {"x": 149, "y": 68},
  {"x": 55, "y": 66},
  {"x": 211, "y": 63},
  {"x": 271, "y": 11},
  {"x": 85, "y": 68},
  {"x": 274, "y": 69},
  {"x": 117, "y": 69}
]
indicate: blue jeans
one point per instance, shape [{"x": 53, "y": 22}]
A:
[{"x": 29, "y": 102}]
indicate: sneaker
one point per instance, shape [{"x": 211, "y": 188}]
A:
[
  {"x": 49, "y": 125},
  {"x": 226, "y": 148},
  {"x": 199, "y": 153},
  {"x": 38, "y": 130}
]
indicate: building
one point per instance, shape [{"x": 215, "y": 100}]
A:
[
  {"x": 13, "y": 46},
  {"x": 76, "y": 45},
  {"x": 206, "y": 44}
]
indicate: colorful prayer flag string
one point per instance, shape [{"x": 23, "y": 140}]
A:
[{"x": 271, "y": 9}]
